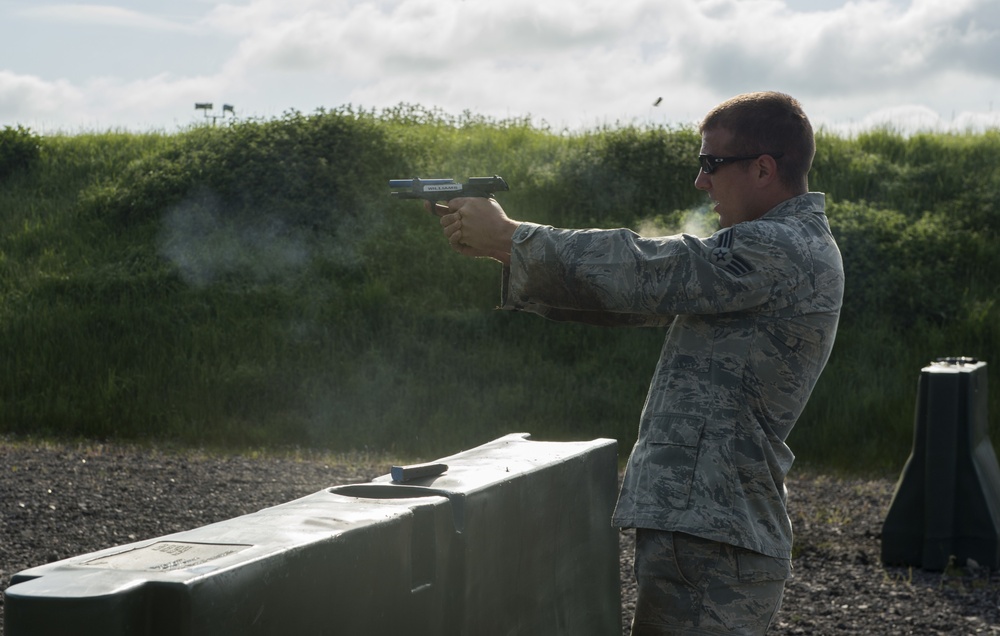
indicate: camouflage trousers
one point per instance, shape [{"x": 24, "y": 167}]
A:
[{"x": 690, "y": 585}]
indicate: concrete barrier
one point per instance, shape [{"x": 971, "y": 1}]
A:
[{"x": 514, "y": 538}]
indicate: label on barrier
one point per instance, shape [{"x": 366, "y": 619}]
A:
[{"x": 165, "y": 556}]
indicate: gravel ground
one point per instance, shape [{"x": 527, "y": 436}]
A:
[{"x": 61, "y": 500}]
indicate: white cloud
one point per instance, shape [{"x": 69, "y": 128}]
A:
[
  {"x": 571, "y": 58},
  {"x": 864, "y": 46},
  {"x": 24, "y": 93},
  {"x": 101, "y": 15},
  {"x": 101, "y": 103},
  {"x": 570, "y": 62}
]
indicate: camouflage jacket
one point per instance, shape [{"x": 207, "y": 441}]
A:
[{"x": 752, "y": 314}]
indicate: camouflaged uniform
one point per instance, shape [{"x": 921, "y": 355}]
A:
[{"x": 752, "y": 312}]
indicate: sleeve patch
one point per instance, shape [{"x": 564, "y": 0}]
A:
[{"x": 724, "y": 257}]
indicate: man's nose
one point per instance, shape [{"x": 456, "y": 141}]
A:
[{"x": 702, "y": 181}]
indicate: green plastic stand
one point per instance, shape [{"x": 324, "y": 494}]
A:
[
  {"x": 515, "y": 538},
  {"x": 946, "y": 506}
]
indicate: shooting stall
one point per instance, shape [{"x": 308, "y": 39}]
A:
[
  {"x": 514, "y": 538},
  {"x": 946, "y": 506}
]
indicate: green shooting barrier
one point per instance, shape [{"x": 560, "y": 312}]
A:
[
  {"x": 514, "y": 537},
  {"x": 946, "y": 507}
]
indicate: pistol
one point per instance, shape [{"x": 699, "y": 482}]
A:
[{"x": 435, "y": 190}]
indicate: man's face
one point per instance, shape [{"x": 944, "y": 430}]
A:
[{"x": 730, "y": 186}]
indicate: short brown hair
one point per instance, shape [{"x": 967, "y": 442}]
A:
[{"x": 768, "y": 122}]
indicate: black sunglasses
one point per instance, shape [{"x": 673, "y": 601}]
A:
[{"x": 709, "y": 163}]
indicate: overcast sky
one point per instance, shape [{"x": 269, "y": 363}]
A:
[{"x": 143, "y": 64}]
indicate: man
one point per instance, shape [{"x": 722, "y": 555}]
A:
[{"x": 752, "y": 313}]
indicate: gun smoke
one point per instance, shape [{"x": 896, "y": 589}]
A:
[
  {"x": 207, "y": 245},
  {"x": 699, "y": 221}
]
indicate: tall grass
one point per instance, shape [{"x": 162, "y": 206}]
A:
[{"x": 254, "y": 285}]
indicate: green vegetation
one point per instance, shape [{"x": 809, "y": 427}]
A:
[
  {"x": 19, "y": 150},
  {"x": 255, "y": 286}
]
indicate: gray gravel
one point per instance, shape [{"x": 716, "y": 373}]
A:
[{"x": 61, "y": 500}]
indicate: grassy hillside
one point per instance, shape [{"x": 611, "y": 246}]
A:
[{"x": 255, "y": 285}]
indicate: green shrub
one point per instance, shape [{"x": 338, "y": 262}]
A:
[
  {"x": 310, "y": 171},
  {"x": 256, "y": 285},
  {"x": 20, "y": 149},
  {"x": 622, "y": 177}
]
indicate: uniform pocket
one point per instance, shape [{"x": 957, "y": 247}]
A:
[
  {"x": 696, "y": 558},
  {"x": 670, "y": 449},
  {"x": 758, "y": 568}
]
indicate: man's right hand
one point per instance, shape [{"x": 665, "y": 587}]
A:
[{"x": 477, "y": 227}]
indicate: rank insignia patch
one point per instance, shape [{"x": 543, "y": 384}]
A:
[{"x": 723, "y": 255}]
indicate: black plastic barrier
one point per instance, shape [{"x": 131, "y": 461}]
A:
[
  {"x": 514, "y": 538},
  {"x": 946, "y": 507}
]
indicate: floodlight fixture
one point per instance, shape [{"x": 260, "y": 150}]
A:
[{"x": 206, "y": 108}]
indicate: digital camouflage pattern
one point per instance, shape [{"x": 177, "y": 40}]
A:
[
  {"x": 752, "y": 314},
  {"x": 690, "y": 585}
]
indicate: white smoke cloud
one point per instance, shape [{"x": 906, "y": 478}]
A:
[{"x": 205, "y": 246}]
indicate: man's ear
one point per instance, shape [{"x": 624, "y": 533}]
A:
[{"x": 766, "y": 170}]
